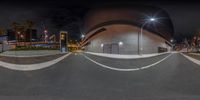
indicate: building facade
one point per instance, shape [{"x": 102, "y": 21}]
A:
[{"x": 118, "y": 31}]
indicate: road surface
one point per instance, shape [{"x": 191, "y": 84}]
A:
[{"x": 77, "y": 78}]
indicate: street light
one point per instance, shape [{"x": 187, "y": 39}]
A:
[
  {"x": 22, "y": 36},
  {"x": 45, "y": 31},
  {"x": 152, "y": 19},
  {"x": 173, "y": 43},
  {"x": 82, "y": 36},
  {"x": 45, "y": 36},
  {"x": 120, "y": 43},
  {"x": 102, "y": 45},
  {"x": 141, "y": 30},
  {"x": 171, "y": 40},
  {"x": 18, "y": 37}
]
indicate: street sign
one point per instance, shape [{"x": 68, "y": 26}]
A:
[{"x": 63, "y": 41}]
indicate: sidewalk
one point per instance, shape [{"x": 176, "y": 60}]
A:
[
  {"x": 120, "y": 56},
  {"x": 31, "y": 63},
  {"x": 193, "y": 55},
  {"x": 195, "y": 58},
  {"x": 29, "y": 60},
  {"x": 30, "y": 53}
]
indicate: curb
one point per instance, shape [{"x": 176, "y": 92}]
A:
[
  {"x": 118, "y": 56},
  {"x": 30, "y": 55},
  {"x": 30, "y": 67},
  {"x": 191, "y": 59},
  {"x": 127, "y": 70},
  {"x": 27, "y": 55}
]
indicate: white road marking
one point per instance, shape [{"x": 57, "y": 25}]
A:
[
  {"x": 30, "y": 67},
  {"x": 121, "y": 56},
  {"x": 191, "y": 59},
  {"x": 120, "y": 69}
]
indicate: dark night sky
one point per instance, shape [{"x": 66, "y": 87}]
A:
[{"x": 185, "y": 15}]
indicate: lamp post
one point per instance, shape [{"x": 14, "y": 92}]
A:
[
  {"x": 141, "y": 34},
  {"x": 18, "y": 38},
  {"x": 172, "y": 42},
  {"x": 45, "y": 36}
]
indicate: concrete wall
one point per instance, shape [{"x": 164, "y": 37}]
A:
[{"x": 129, "y": 36}]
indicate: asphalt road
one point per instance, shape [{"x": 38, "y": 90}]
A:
[{"x": 77, "y": 78}]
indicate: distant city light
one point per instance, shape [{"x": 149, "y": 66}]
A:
[
  {"x": 45, "y": 31},
  {"x": 120, "y": 43},
  {"x": 101, "y": 45},
  {"x": 21, "y": 36}
]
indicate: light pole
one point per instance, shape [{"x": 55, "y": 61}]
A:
[
  {"x": 141, "y": 34},
  {"x": 18, "y": 38},
  {"x": 172, "y": 42},
  {"x": 45, "y": 36}
]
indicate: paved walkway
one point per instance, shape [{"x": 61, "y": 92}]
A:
[
  {"x": 30, "y": 53},
  {"x": 193, "y": 55},
  {"x": 29, "y": 60},
  {"x": 195, "y": 58},
  {"x": 34, "y": 66}
]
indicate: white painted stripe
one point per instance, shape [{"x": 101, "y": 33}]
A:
[
  {"x": 120, "y": 69},
  {"x": 121, "y": 56},
  {"x": 30, "y": 67},
  {"x": 191, "y": 59}
]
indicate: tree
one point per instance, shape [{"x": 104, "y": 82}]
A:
[
  {"x": 196, "y": 41},
  {"x": 29, "y": 26},
  {"x": 20, "y": 29},
  {"x": 14, "y": 26},
  {"x": 2, "y": 31}
]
